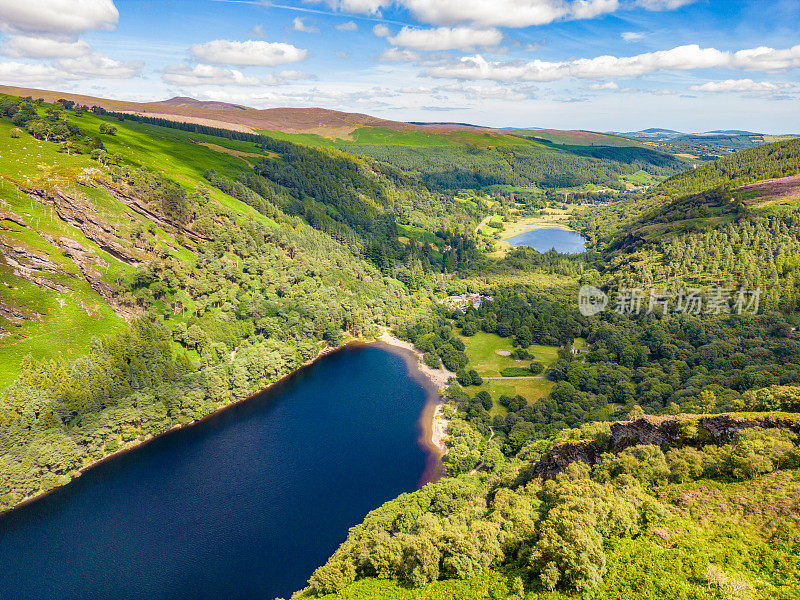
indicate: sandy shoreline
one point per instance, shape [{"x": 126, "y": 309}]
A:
[{"x": 434, "y": 422}]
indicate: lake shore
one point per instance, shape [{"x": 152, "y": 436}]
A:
[
  {"x": 525, "y": 224},
  {"x": 432, "y": 438},
  {"x": 434, "y": 423},
  {"x": 137, "y": 443}
]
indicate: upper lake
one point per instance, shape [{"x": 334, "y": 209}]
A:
[
  {"x": 565, "y": 241},
  {"x": 243, "y": 505}
]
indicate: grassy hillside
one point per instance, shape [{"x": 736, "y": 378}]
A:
[{"x": 152, "y": 274}]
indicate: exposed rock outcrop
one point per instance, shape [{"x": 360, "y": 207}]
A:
[
  {"x": 80, "y": 215},
  {"x": 559, "y": 458},
  {"x": 141, "y": 207},
  {"x": 664, "y": 431},
  {"x": 724, "y": 429},
  {"x": 32, "y": 266}
]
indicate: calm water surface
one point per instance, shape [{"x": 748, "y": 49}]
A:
[
  {"x": 563, "y": 240},
  {"x": 242, "y": 506}
]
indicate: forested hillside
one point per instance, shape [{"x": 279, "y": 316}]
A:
[
  {"x": 599, "y": 511},
  {"x": 709, "y": 226},
  {"x": 452, "y": 161},
  {"x": 223, "y": 262}
]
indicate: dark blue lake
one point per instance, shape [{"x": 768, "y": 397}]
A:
[
  {"x": 244, "y": 505},
  {"x": 563, "y": 240}
]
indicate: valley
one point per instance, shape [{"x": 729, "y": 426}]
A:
[{"x": 166, "y": 264}]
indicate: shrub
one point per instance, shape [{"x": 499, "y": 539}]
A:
[
  {"x": 515, "y": 372},
  {"x": 432, "y": 360}
]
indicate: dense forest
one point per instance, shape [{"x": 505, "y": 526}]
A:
[
  {"x": 571, "y": 532},
  {"x": 532, "y": 164}
]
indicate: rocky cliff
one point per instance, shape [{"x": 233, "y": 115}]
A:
[{"x": 666, "y": 432}]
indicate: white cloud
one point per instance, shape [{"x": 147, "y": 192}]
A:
[
  {"x": 347, "y": 26},
  {"x": 93, "y": 66},
  {"x": 257, "y": 31},
  {"x": 249, "y": 53},
  {"x": 498, "y": 13},
  {"x": 678, "y": 58},
  {"x": 71, "y": 17},
  {"x": 739, "y": 85},
  {"x": 31, "y": 74},
  {"x": 608, "y": 85},
  {"x": 477, "y": 67},
  {"x": 399, "y": 55},
  {"x": 201, "y": 74},
  {"x": 767, "y": 59},
  {"x": 24, "y": 46},
  {"x": 445, "y": 38},
  {"x": 299, "y": 24},
  {"x": 209, "y": 75},
  {"x": 492, "y": 91},
  {"x": 409, "y": 89},
  {"x": 381, "y": 31},
  {"x": 295, "y": 76},
  {"x": 99, "y": 66},
  {"x": 506, "y": 13},
  {"x": 631, "y": 36},
  {"x": 663, "y": 4},
  {"x": 686, "y": 57}
]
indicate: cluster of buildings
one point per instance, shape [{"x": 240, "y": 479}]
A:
[{"x": 465, "y": 301}]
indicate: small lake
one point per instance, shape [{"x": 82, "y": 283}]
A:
[
  {"x": 565, "y": 241},
  {"x": 244, "y": 505}
]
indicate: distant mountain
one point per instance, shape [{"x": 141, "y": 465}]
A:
[
  {"x": 653, "y": 134},
  {"x": 320, "y": 121},
  {"x": 187, "y": 102},
  {"x": 729, "y": 132}
]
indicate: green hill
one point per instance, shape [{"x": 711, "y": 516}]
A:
[
  {"x": 474, "y": 159},
  {"x": 731, "y": 223},
  {"x": 152, "y": 274}
]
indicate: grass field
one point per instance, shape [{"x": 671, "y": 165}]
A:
[
  {"x": 530, "y": 389},
  {"x": 639, "y": 178},
  {"x": 481, "y": 349}
]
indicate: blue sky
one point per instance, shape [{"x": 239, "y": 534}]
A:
[{"x": 691, "y": 65}]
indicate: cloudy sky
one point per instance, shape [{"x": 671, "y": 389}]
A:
[{"x": 690, "y": 65}]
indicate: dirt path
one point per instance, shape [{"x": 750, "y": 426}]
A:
[
  {"x": 482, "y": 223},
  {"x": 476, "y": 469}
]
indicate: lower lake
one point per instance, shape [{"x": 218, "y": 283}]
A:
[
  {"x": 565, "y": 241},
  {"x": 243, "y": 505}
]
